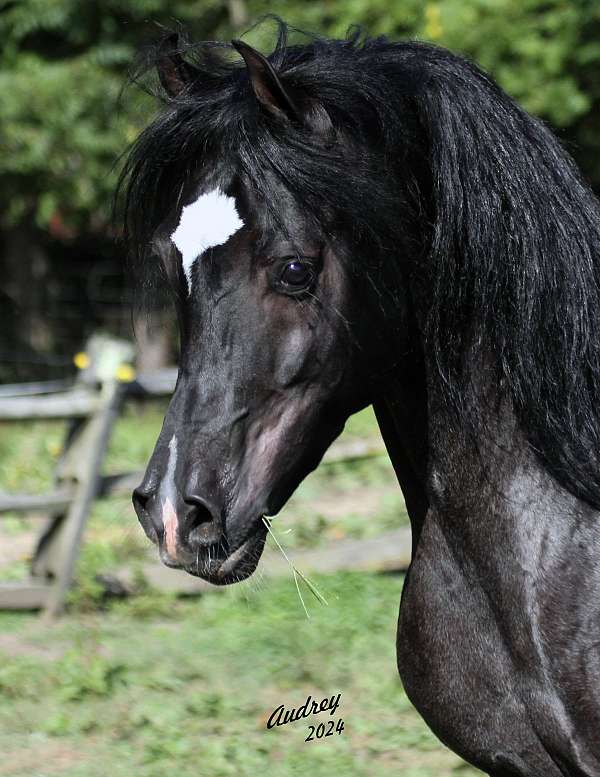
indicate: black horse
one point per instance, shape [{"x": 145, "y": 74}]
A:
[{"x": 358, "y": 221}]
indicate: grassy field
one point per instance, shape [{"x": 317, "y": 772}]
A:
[{"x": 155, "y": 685}]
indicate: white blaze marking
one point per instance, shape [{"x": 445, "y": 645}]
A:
[
  {"x": 204, "y": 224},
  {"x": 169, "y": 516}
]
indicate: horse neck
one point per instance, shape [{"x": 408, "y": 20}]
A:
[
  {"x": 460, "y": 473},
  {"x": 401, "y": 412}
]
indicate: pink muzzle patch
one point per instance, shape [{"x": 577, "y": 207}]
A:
[{"x": 169, "y": 517}]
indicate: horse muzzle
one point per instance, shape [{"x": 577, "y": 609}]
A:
[{"x": 191, "y": 535}]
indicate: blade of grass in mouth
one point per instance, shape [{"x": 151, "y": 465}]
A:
[{"x": 296, "y": 572}]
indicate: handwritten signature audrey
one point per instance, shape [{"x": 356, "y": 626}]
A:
[{"x": 280, "y": 715}]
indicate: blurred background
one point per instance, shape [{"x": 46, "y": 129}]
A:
[{"x": 145, "y": 683}]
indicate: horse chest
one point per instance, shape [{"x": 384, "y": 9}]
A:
[{"x": 482, "y": 649}]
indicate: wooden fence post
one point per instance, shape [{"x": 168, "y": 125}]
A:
[
  {"x": 81, "y": 465},
  {"x": 93, "y": 405},
  {"x": 86, "y": 454}
]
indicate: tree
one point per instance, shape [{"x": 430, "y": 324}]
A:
[{"x": 65, "y": 120}]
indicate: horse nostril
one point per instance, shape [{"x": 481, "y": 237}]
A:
[
  {"x": 140, "y": 499},
  {"x": 202, "y": 523}
]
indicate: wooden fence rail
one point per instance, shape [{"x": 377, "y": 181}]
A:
[{"x": 91, "y": 406}]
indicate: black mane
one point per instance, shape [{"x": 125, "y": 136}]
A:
[{"x": 510, "y": 234}]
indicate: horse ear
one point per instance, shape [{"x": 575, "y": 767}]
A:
[
  {"x": 266, "y": 85},
  {"x": 174, "y": 72}
]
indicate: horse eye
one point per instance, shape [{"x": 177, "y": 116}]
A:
[{"x": 296, "y": 274}]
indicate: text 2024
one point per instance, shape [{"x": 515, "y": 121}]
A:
[{"x": 325, "y": 730}]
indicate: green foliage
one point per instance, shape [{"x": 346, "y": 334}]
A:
[
  {"x": 545, "y": 54},
  {"x": 82, "y": 674},
  {"x": 63, "y": 64},
  {"x": 19, "y": 678},
  {"x": 63, "y": 126}
]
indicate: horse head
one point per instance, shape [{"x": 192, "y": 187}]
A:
[{"x": 272, "y": 357}]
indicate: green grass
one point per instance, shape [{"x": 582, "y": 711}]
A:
[
  {"x": 185, "y": 687},
  {"x": 154, "y": 685}
]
